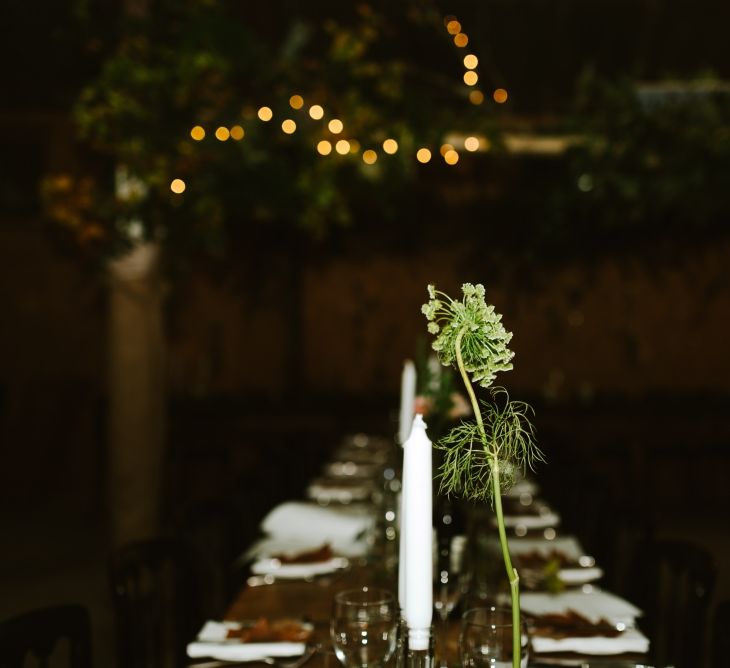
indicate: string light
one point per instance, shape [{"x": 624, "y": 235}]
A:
[
  {"x": 470, "y": 61},
  {"x": 324, "y": 147},
  {"x": 471, "y": 78},
  {"x": 454, "y": 27},
  {"x": 237, "y": 132},
  {"x": 222, "y": 134},
  {"x": 445, "y": 148},
  {"x": 316, "y": 112},
  {"x": 461, "y": 39},
  {"x": 335, "y": 126},
  {"x": 265, "y": 114},
  {"x": 476, "y": 97},
  {"x": 342, "y": 147},
  {"x": 289, "y": 126},
  {"x": 471, "y": 144},
  {"x": 177, "y": 186},
  {"x": 296, "y": 101},
  {"x": 451, "y": 157},
  {"x": 197, "y": 133},
  {"x": 423, "y": 155},
  {"x": 390, "y": 146},
  {"x": 369, "y": 157},
  {"x": 500, "y": 96},
  {"x": 354, "y": 146}
]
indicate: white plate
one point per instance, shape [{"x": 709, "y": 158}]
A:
[{"x": 297, "y": 571}]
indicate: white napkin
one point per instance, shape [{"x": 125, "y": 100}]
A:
[
  {"x": 593, "y": 605},
  {"x": 265, "y": 547},
  {"x": 325, "y": 492},
  {"x": 296, "y": 519},
  {"x": 631, "y": 640},
  {"x": 567, "y": 545},
  {"x": 578, "y": 576},
  {"x": 212, "y": 642},
  {"x": 294, "y": 571},
  {"x": 542, "y": 521}
]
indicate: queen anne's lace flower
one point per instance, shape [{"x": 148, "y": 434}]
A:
[{"x": 474, "y": 322}]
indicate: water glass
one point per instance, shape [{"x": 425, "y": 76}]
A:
[
  {"x": 363, "y": 627},
  {"x": 485, "y": 640}
]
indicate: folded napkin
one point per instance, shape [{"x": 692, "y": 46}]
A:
[
  {"x": 296, "y": 519},
  {"x": 295, "y": 571},
  {"x": 594, "y": 605},
  {"x": 578, "y": 576},
  {"x": 631, "y": 640},
  {"x": 542, "y": 521},
  {"x": 212, "y": 642}
]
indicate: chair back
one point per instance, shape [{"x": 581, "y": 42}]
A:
[
  {"x": 41, "y": 633},
  {"x": 678, "y": 578},
  {"x": 154, "y": 602}
]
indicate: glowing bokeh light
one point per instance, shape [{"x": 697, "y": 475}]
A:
[
  {"x": 471, "y": 144},
  {"x": 454, "y": 27},
  {"x": 500, "y": 96},
  {"x": 342, "y": 147},
  {"x": 451, "y": 157},
  {"x": 471, "y": 78},
  {"x": 316, "y": 112},
  {"x": 461, "y": 39},
  {"x": 237, "y": 132},
  {"x": 324, "y": 147},
  {"x": 470, "y": 61},
  {"x": 177, "y": 186},
  {"x": 354, "y": 145},
  {"x": 445, "y": 147},
  {"x": 296, "y": 101},
  {"x": 390, "y": 146},
  {"x": 288, "y": 126},
  {"x": 476, "y": 97},
  {"x": 265, "y": 114},
  {"x": 423, "y": 155},
  {"x": 335, "y": 126},
  {"x": 222, "y": 134},
  {"x": 197, "y": 133},
  {"x": 369, "y": 157}
]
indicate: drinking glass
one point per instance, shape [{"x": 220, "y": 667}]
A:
[
  {"x": 447, "y": 590},
  {"x": 485, "y": 640},
  {"x": 363, "y": 627}
]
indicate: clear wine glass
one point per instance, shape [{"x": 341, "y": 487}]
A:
[
  {"x": 447, "y": 591},
  {"x": 363, "y": 627},
  {"x": 485, "y": 640}
]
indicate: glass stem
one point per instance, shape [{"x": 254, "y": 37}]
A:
[{"x": 419, "y": 659}]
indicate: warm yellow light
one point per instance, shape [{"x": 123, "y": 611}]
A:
[
  {"x": 222, "y": 134},
  {"x": 265, "y": 114},
  {"x": 390, "y": 146},
  {"x": 470, "y": 61},
  {"x": 448, "y": 19},
  {"x": 451, "y": 157},
  {"x": 342, "y": 147},
  {"x": 335, "y": 126},
  {"x": 500, "y": 96},
  {"x": 454, "y": 27},
  {"x": 471, "y": 78},
  {"x": 197, "y": 133},
  {"x": 289, "y": 126},
  {"x": 369, "y": 157},
  {"x": 177, "y": 186},
  {"x": 423, "y": 155},
  {"x": 354, "y": 146},
  {"x": 316, "y": 112},
  {"x": 461, "y": 39},
  {"x": 445, "y": 147},
  {"x": 476, "y": 97},
  {"x": 471, "y": 143},
  {"x": 324, "y": 147},
  {"x": 296, "y": 101},
  {"x": 237, "y": 132}
]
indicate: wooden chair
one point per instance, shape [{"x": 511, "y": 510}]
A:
[
  {"x": 675, "y": 582},
  {"x": 40, "y": 633},
  {"x": 155, "y": 603}
]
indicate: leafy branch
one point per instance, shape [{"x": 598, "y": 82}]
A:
[{"x": 482, "y": 457}]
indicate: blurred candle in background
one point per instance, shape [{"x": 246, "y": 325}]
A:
[
  {"x": 407, "y": 400},
  {"x": 416, "y": 574}
]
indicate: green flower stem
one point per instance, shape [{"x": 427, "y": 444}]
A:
[{"x": 512, "y": 575}]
